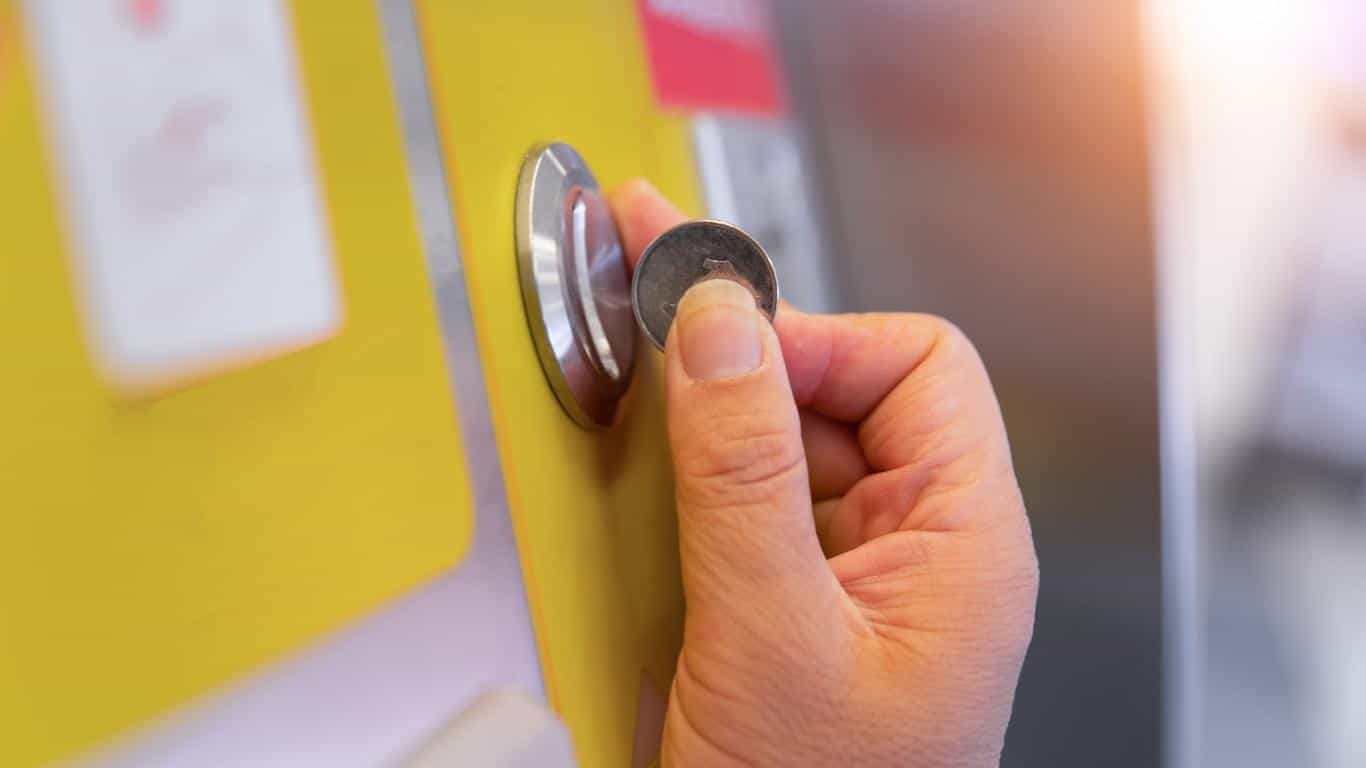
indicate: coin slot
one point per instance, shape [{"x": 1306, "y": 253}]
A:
[{"x": 575, "y": 285}]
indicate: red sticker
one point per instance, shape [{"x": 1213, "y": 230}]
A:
[
  {"x": 714, "y": 55},
  {"x": 146, "y": 14}
]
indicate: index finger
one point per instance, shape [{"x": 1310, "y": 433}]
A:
[
  {"x": 642, "y": 214},
  {"x": 913, "y": 384}
]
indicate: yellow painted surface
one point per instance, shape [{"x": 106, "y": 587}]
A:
[
  {"x": 151, "y": 551},
  {"x": 593, "y": 510}
]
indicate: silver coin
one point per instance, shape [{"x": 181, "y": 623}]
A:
[{"x": 688, "y": 254}]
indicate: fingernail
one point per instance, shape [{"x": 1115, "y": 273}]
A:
[{"x": 718, "y": 330}]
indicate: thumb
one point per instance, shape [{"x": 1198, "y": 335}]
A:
[{"x": 746, "y": 535}]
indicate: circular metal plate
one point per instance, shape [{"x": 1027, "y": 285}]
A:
[
  {"x": 691, "y": 252},
  {"x": 574, "y": 284}
]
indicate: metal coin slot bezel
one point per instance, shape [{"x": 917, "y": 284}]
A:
[{"x": 574, "y": 285}]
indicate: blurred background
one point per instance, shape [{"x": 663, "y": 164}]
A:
[
  {"x": 1151, "y": 218},
  {"x": 1149, "y": 215}
]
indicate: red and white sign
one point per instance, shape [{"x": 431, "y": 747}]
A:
[{"x": 712, "y": 55}]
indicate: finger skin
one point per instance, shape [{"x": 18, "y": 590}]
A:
[
  {"x": 642, "y": 214},
  {"x": 834, "y": 457},
  {"x": 918, "y": 392}
]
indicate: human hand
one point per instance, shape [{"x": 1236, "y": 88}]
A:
[{"x": 858, "y": 567}]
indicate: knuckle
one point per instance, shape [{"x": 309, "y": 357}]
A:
[
  {"x": 949, "y": 340},
  {"x": 738, "y": 465}
]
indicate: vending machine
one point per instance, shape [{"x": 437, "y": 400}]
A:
[{"x": 287, "y": 475}]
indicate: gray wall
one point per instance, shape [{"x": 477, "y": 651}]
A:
[{"x": 987, "y": 162}]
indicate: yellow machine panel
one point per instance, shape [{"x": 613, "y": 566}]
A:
[
  {"x": 152, "y": 550},
  {"x": 593, "y": 510}
]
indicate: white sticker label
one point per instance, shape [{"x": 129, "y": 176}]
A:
[{"x": 190, "y": 183}]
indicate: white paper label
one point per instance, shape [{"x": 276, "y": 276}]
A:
[{"x": 190, "y": 182}]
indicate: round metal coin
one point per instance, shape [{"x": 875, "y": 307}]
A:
[{"x": 690, "y": 253}]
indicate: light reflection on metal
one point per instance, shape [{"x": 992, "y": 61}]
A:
[{"x": 574, "y": 285}]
